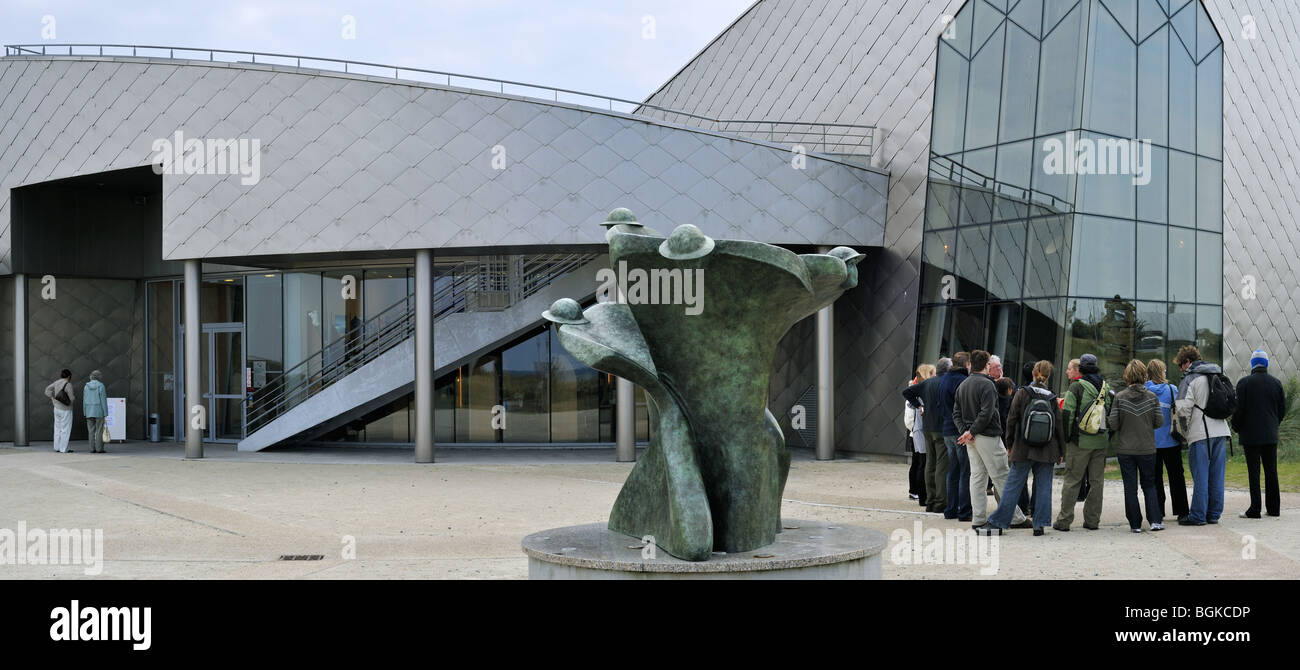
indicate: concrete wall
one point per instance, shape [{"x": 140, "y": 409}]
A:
[
  {"x": 6, "y": 359},
  {"x": 353, "y": 163}
]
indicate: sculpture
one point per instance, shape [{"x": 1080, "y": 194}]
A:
[{"x": 713, "y": 475}]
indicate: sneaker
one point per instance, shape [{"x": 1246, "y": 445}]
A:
[
  {"x": 912, "y": 496},
  {"x": 1211, "y": 521},
  {"x": 1038, "y": 532},
  {"x": 1157, "y": 526},
  {"x": 1248, "y": 515},
  {"x": 1023, "y": 524},
  {"x": 1136, "y": 530},
  {"x": 1187, "y": 521},
  {"x": 987, "y": 530},
  {"x": 1182, "y": 518},
  {"x": 1090, "y": 527},
  {"x": 1063, "y": 529}
]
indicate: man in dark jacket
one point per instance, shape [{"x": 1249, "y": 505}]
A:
[
  {"x": 927, "y": 395},
  {"x": 1261, "y": 406},
  {"x": 976, "y": 415},
  {"x": 958, "y": 486}
]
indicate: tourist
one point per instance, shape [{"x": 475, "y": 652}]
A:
[
  {"x": 1261, "y": 406},
  {"x": 975, "y": 413},
  {"x": 927, "y": 394},
  {"x": 60, "y": 394},
  {"x": 1169, "y": 453},
  {"x": 1207, "y": 437},
  {"x": 1034, "y": 452},
  {"x": 958, "y": 504},
  {"x": 1085, "y": 452},
  {"x": 1072, "y": 374},
  {"x": 913, "y": 419},
  {"x": 94, "y": 404},
  {"x": 1134, "y": 417}
]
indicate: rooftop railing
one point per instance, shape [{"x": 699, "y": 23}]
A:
[{"x": 852, "y": 142}]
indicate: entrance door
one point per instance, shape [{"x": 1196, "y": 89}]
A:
[{"x": 221, "y": 358}]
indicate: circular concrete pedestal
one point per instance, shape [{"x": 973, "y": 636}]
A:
[{"x": 803, "y": 550}]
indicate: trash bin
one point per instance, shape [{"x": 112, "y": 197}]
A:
[{"x": 153, "y": 428}]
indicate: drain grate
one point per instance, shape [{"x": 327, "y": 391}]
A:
[{"x": 302, "y": 557}]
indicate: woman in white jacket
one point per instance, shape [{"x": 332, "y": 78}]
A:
[
  {"x": 62, "y": 412},
  {"x": 912, "y": 419}
]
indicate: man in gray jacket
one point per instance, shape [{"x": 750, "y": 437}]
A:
[
  {"x": 975, "y": 413},
  {"x": 1207, "y": 438}
]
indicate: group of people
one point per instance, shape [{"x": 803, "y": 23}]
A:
[
  {"x": 974, "y": 430},
  {"x": 94, "y": 404}
]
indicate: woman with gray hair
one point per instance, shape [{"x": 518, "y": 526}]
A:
[{"x": 94, "y": 402}]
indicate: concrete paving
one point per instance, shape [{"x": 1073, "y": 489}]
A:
[{"x": 232, "y": 515}]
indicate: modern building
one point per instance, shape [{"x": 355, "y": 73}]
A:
[{"x": 316, "y": 251}]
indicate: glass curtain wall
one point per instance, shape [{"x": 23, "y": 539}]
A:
[{"x": 1075, "y": 199}]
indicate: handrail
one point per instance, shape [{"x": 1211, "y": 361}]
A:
[
  {"x": 959, "y": 173},
  {"x": 837, "y": 139}
]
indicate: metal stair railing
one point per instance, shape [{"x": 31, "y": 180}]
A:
[
  {"x": 842, "y": 140},
  {"x": 525, "y": 276},
  {"x": 956, "y": 173}
]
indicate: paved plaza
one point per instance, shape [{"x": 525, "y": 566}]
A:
[{"x": 233, "y": 515}]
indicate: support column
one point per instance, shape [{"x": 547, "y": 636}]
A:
[
  {"x": 424, "y": 366},
  {"x": 826, "y": 383},
  {"x": 194, "y": 428},
  {"x": 625, "y": 422},
  {"x": 20, "y": 360}
]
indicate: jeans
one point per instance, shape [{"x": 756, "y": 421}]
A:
[
  {"x": 936, "y": 472},
  {"x": 988, "y": 461},
  {"x": 958, "y": 506},
  {"x": 1267, "y": 453},
  {"x": 1207, "y": 460},
  {"x": 916, "y": 472},
  {"x": 1172, "y": 460},
  {"x": 1017, "y": 480},
  {"x": 1140, "y": 471}
]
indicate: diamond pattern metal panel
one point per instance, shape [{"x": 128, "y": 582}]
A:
[{"x": 335, "y": 141}]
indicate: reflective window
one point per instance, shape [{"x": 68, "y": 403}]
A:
[
  {"x": 1182, "y": 189},
  {"x": 265, "y": 332},
  {"x": 938, "y": 258},
  {"x": 1209, "y": 333},
  {"x": 985, "y": 92},
  {"x": 1152, "y": 266},
  {"x": 1047, "y": 267},
  {"x": 1182, "y": 265},
  {"x": 1111, "y": 87},
  {"x": 1209, "y": 194},
  {"x": 1153, "y": 87},
  {"x": 525, "y": 390},
  {"x": 1044, "y": 328},
  {"x": 947, "y": 134},
  {"x": 576, "y": 397},
  {"x": 1006, "y": 261},
  {"x": 1104, "y": 257},
  {"x": 1002, "y": 335},
  {"x": 1150, "y": 330},
  {"x": 1059, "y": 77},
  {"x": 1209, "y": 106},
  {"x": 1153, "y": 196},
  {"x": 1182, "y": 332},
  {"x": 1020, "y": 85},
  {"x": 972, "y": 262},
  {"x": 1106, "y": 182},
  {"x": 1209, "y": 268},
  {"x": 1182, "y": 96},
  {"x": 941, "y": 210}
]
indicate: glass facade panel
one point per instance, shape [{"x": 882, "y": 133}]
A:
[
  {"x": 1209, "y": 194},
  {"x": 525, "y": 390},
  {"x": 1182, "y": 264},
  {"x": 162, "y": 356},
  {"x": 1020, "y": 86},
  {"x": 1152, "y": 265},
  {"x": 1182, "y": 332},
  {"x": 1153, "y": 88},
  {"x": 384, "y": 288},
  {"x": 1153, "y": 196},
  {"x": 972, "y": 262},
  {"x": 1209, "y": 333},
  {"x": 1104, "y": 257},
  {"x": 1182, "y": 96},
  {"x": 949, "y": 125},
  {"x": 1150, "y": 331},
  {"x": 1060, "y": 76},
  {"x": 1209, "y": 268},
  {"x": 1044, "y": 326},
  {"x": 1182, "y": 189},
  {"x": 575, "y": 397},
  {"x": 1047, "y": 269},
  {"x": 1110, "y": 90},
  {"x": 264, "y": 328},
  {"x": 985, "y": 91},
  {"x": 938, "y": 259},
  {"x": 478, "y": 391},
  {"x": 1007, "y": 260},
  {"x": 1107, "y": 188},
  {"x": 341, "y": 306},
  {"x": 942, "y": 206},
  {"x": 1209, "y": 105},
  {"x": 221, "y": 300},
  {"x": 1002, "y": 335}
]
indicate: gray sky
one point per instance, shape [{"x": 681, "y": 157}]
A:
[{"x": 588, "y": 45}]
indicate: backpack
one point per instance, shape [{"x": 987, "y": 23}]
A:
[
  {"x": 1093, "y": 420},
  {"x": 1040, "y": 422},
  {"x": 1222, "y": 403}
]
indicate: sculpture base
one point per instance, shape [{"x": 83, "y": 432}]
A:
[{"x": 803, "y": 550}]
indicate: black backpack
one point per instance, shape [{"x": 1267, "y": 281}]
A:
[
  {"x": 1040, "y": 421},
  {"x": 1222, "y": 403}
]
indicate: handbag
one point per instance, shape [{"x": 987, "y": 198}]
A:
[
  {"x": 105, "y": 438},
  {"x": 62, "y": 395}
]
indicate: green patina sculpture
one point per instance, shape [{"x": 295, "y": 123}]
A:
[{"x": 716, "y": 466}]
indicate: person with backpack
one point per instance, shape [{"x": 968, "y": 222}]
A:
[
  {"x": 60, "y": 393},
  {"x": 1134, "y": 417},
  {"x": 1169, "y": 453},
  {"x": 1206, "y": 399},
  {"x": 1087, "y": 402},
  {"x": 975, "y": 414},
  {"x": 926, "y": 394},
  {"x": 958, "y": 484},
  {"x": 1261, "y": 406},
  {"x": 1037, "y": 438}
]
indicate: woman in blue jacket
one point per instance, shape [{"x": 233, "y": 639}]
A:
[
  {"x": 94, "y": 402},
  {"x": 1169, "y": 452}
]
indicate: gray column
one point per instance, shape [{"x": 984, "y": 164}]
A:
[
  {"x": 424, "y": 366},
  {"x": 625, "y": 422},
  {"x": 193, "y": 373},
  {"x": 826, "y": 383},
  {"x": 20, "y": 360}
]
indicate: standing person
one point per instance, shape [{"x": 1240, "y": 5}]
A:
[
  {"x": 1169, "y": 453},
  {"x": 1006, "y": 392},
  {"x": 1085, "y": 451},
  {"x": 1134, "y": 417},
  {"x": 60, "y": 393},
  {"x": 1072, "y": 374},
  {"x": 914, "y": 417},
  {"x": 95, "y": 405},
  {"x": 975, "y": 413},
  {"x": 1200, "y": 395},
  {"x": 958, "y": 485},
  {"x": 1261, "y": 406},
  {"x": 1037, "y": 438},
  {"x": 927, "y": 394}
]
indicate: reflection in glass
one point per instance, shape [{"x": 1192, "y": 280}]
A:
[
  {"x": 1150, "y": 331},
  {"x": 938, "y": 258},
  {"x": 162, "y": 356},
  {"x": 972, "y": 262},
  {"x": 1209, "y": 194},
  {"x": 1152, "y": 267},
  {"x": 575, "y": 397},
  {"x": 1182, "y": 265},
  {"x": 1209, "y": 333},
  {"x": 1104, "y": 257},
  {"x": 1002, "y": 335},
  {"x": 265, "y": 331},
  {"x": 525, "y": 383},
  {"x": 477, "y": 395},
  {"x": 1006, "y": 262},
  {"x": 1111, "y": 86},
  {"x": 1182, "y": 332},
  {"x": 1209, "y": 268},
  {"x": 1050, "y": 250},
  {"x": 985, "y": 93},
  {"x": 1182, "y": 189}
]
